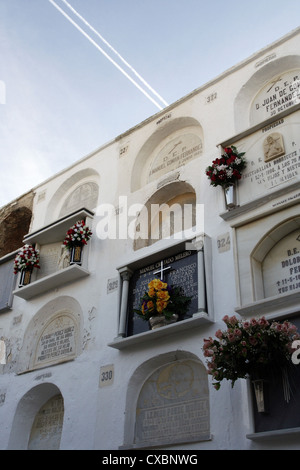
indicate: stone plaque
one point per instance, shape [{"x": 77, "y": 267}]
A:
[
  {"x": 176, "y": 153},
  {"x": 277, "y": 96},
  {"x": 183, "y": 272},
  {"x": 268, "y": 171},
  {"x": 281, "y": 266},
  {"x": 173, "y": 406},
  {"x": 57, "y": 342},
  {"x": 273, "y": 146},
  {"x": 50, "y": 259},
  {"x": 7, "y": 284},
  {"x": 85, "y": 195},
  {"x": 47, "y": 426}
]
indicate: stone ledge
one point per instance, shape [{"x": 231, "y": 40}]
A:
[
  {"x": 278, "y": 305},
  {"x": 266, "y": 435},
  {"x": 47, "y": 283},
  {"x": 198, "y": 320}
]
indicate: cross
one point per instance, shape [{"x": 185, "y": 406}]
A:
[{"x": 161, "y": 270}]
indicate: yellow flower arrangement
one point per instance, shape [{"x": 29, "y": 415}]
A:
[{"x": 162, "y": 299}]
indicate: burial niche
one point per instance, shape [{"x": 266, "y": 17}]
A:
[
  {"x": 47, "y": 426},
  {"x": 173, "y": 405},
  {"x": 281, "y": 266}
]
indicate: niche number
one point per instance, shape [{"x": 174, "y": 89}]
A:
[
  {"x": 223, "y": 242},
  {"x": 106, "y": 375}
]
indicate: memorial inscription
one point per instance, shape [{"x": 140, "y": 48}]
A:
[
  {"x": 47, "y": 426},
  {"x": 183, "y": 272},
  {"x": 277, "y": 96},
  {"x": 281, "y": 267},
  {"x": 173, "y": 405},
  {"x": 273, "y": 173},
  {"x": 176, "y": 153},
  {"x": 57, "y": 342}
]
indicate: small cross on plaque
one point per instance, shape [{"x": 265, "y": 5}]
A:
[{"x": 162, "y": 270}]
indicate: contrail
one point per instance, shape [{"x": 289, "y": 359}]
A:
[
  {"x": 105, "y": 54},
  {"x": 115, "y": 52}
]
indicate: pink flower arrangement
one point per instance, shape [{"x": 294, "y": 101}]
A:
[
  {"x": 77, "y": 235},
  {"x": 227, "y": 169},
  {"x": 27, "y": 258},
  {"x": 246, "y": 348}
]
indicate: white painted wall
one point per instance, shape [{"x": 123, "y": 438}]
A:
[{"x": 95, "y": 417}]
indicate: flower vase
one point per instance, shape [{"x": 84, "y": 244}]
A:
[
  {"x": 230, "y": 196},
  {"x": 76, "y": 254},
  {"x": 261, "y": 395},
  {"x": 25, "y": 277},
  {"x": 158, "y": 321}
]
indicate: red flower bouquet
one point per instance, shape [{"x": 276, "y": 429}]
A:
[
  {"x": 77, "y": 235},
  {"x": 227, "y": 169},
  {"x": 27, "y": 258}
]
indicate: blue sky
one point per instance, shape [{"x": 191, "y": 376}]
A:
[{"x": 61, "y": 98}]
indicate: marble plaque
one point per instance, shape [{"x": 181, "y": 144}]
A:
[
  {"x": 270, "y": 171},
  {"x": 182, "y": 271},
  {"x": 47, "y": 426},
  {"x": 278, "y": 95},
  {"x": 174, "y": 154},
  {"x": 173, "y": 406},
  {"x": 57, "y": 342},
  {"x": 50, "y": 259},
  {"x": 281, "y": 266}
]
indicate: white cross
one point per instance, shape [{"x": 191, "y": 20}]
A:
[{"x": 161, "y": 270}]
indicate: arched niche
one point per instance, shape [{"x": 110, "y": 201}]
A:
[
  {"x": 27, "y": 411},
  {"x": 53, "y": 335},
  {"x": 169, "y": 211},
  {"x": 167, "y": 402},
  {"x": 273, "y": 258},
  {"x": 78, "y": 191},
  {"x": 176, "y": 143},
  {"x": 267, "y": 74}
]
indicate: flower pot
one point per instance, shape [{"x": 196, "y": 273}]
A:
[
  {"x": 25, "y": 277},
  {"x": 230, "y": 196},
  {"x": 261, "y": 395},
  {"x": 160, "y": 320},
  {"x": 76, "y": 254}
]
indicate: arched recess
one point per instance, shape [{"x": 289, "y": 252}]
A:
[
  {"x": 171, "y": 387},
  {"x": 263, "y": 251},
  {"x": 246, "y": 95},
  {"x": 169, "y": 147},
  {"x": 27, "y": 410},
  {"x": 78, "y": 191},
  {"x": 169, "y": 211},
  {"x": 13, "y": 229},
  {"x": 53, "y": 336}
]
